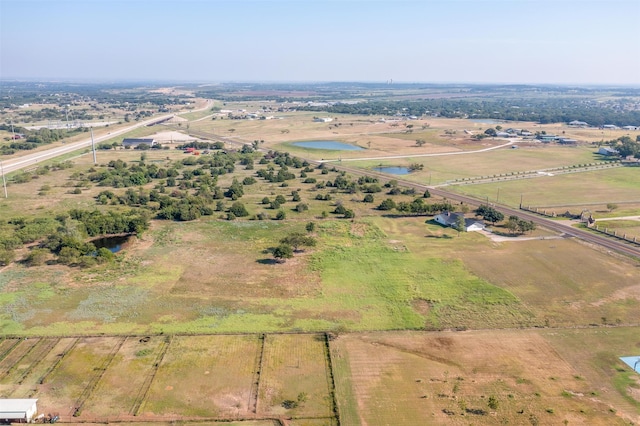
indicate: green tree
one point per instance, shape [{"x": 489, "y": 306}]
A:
[
  {"x": 611, "y": 206},
  {"x": 283, "y": 252},
  {"x": 238, "y": 209},
  {"x": 459, "y": 225},
  {"x": 298, "y": 239},
  {"x": 387, "y": 204},
  {"x": 368, "y": 198},
  {"x": 310, "y": 227},
  {"x": 281, "y": 215},
  {"x": 420, "y": 142}
]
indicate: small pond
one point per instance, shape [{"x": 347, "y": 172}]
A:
[
  {"x": 330, "y": 145},
  {"x": 393, "y": 170},
  {"x": 114, "y": 244}
]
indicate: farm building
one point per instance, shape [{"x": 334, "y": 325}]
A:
[
  {"x": 135, "y": 142},
  {"x": 17, "y": 410},
  {"x": 606, "y": 150},
  {"x": 450, "y": 219},
  {"x": 323, "y": 119}
]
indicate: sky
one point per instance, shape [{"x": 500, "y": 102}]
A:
[{"x": 574, "y": 42}]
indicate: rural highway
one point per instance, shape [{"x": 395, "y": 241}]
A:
[
  {"x": 607, "y": 242},
  {"x": 29, "y": 160}
]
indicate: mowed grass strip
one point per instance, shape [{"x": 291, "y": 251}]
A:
[
  {"x": 204, "y": 376},
  {"x": 294, "y": 375}
]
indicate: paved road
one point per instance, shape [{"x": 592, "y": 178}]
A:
[{"x": 29, "y": 160}]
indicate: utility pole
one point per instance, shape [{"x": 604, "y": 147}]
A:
[
  {"x": 521, "y": 201},
  {"x": 93, "y": 147},
  {"x": 4, "y": 181}
]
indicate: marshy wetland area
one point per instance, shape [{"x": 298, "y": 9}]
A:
[{"x": 231, "y": 273}]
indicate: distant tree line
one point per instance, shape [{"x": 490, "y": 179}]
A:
[{"x": 541, "y": 110}]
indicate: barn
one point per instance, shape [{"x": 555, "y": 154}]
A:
[{"x": 17, "y": 410}]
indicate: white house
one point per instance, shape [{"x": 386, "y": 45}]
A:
[
  {"x": 631, "y": 127},
  {"x": 323, "y": 119},
  {"x": 605, "y": 150},
  {"x": 450, "y": 219},
  {"x": 17, "y": 410}
]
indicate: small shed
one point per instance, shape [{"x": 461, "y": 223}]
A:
[{"x": 17, "y": 410}]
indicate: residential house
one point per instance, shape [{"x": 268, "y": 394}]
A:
[{"x": 450, "y": 219}]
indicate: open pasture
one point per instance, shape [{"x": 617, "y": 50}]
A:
[
  {"x": 571, "y": 191},
  {"x": 481, "y": 377}
]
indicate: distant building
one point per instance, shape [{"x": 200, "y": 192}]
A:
[
  {"x": 631, "y": 127},
  {"x": 606, "y": 150},
  {"x": 576, "y": 123},
  {"x": 17, "y": 410},
  {"x": 610, "y": 126},
  {"x": 548, "y": 138},
  {"x": 322, "y": 119},
  {"x": 135, "y": 142},
  {"x": 567, "y": 141}
]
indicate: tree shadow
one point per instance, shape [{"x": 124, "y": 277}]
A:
[{"x": 267, "y": 261}]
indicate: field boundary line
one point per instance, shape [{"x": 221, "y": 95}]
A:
[
  {"x": 330, "y": 378},
  {"x": 10, "y": 349},
  {"x": 52, "y": 342},
  {"x": 146, "y": 385},
  {"x": 255, "y": 385},
  {"x": 56, "y": 364},
  {"x": 16, "y": 363},
  {"x": 95, "y": 380},
  {"x": 258, "y": 373}
]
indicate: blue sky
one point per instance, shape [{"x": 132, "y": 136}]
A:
[{"x": 467, "y": 41}]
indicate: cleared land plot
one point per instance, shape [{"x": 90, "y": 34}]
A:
[
  {"x": 39, "y": 370},
  {"x": 66, "y": 387},
  {"x": 449, "y": 378},
  {"x": 122, "y": 387},
  {"x": 552, "y": 279},
  {"x": 205, "y": 376},
  {"x": 294, "y": 368},
  {"x": 595, "y": 354}
]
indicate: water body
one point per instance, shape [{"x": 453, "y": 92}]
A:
[
  {"x": 393, "y": 170},
  {"x": 329, "y": 145},
  {"x": 114, "y": 244}
]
